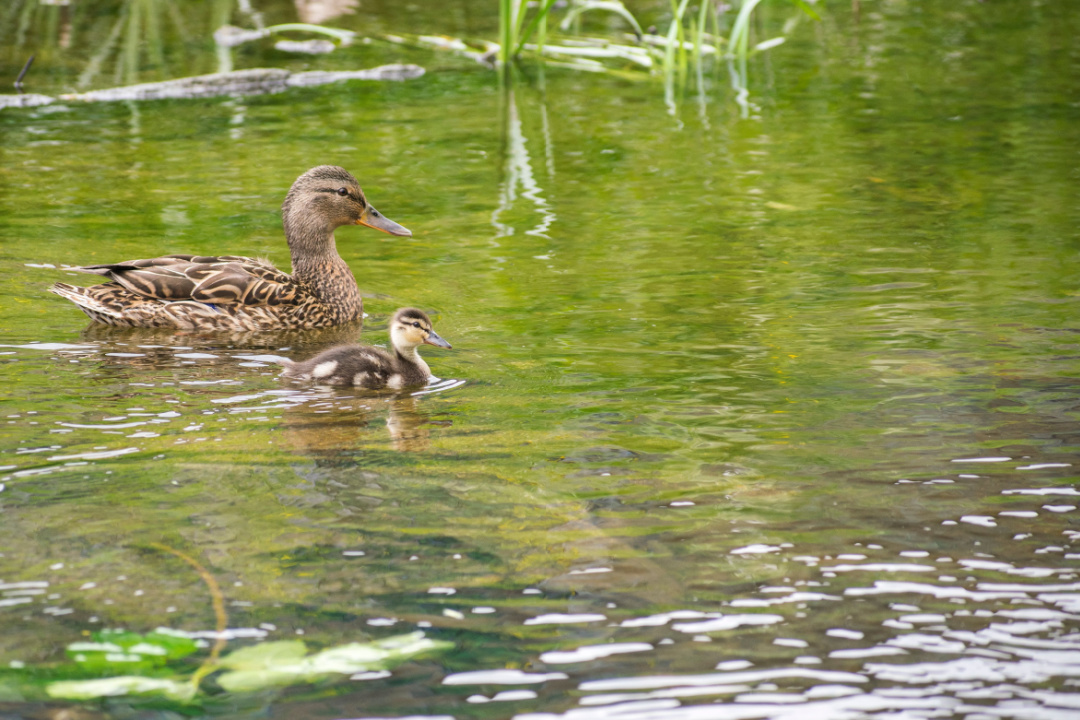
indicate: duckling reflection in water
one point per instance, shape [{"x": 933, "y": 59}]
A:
[
  {"x": 375, "y": 368},
  {"x": 336, "y": 438}
]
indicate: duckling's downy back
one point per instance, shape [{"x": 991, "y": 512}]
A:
[{"x": 375, "y": 368}]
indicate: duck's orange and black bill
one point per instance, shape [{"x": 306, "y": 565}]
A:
[
  {"x": 375, "y": 219},
  {"x": 434, "y": 339}
]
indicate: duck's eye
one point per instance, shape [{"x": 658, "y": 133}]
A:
[
  {"x": 416, "y": 324},
  {"x": 343, "y": 192}
]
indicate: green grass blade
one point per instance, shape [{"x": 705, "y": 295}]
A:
[
  {"x": 616, "y": 7},
  {"x": 504, "y": 29},
  {"x": 674, "y": 35},
  {"x": 714, "y": 16},
  {"x": 699, "y": 34},
  {"x": 541, "y": 36},
  {"x": 538, "y": 18},
  {"x": 805, "y": 7},
  {"x": 519, "y": 18},
  {"x": 740, "y": 32}
]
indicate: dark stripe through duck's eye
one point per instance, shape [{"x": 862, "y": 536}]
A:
[{"x": 343, "y": 192}]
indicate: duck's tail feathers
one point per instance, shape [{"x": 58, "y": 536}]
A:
[
  {"x": 83, "y": 298},
  {"x": 103, "y": 270}
]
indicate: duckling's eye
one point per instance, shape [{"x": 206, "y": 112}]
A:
[
  {"x": 416, "y": 324},
  {"x": 343, "y": 192}
]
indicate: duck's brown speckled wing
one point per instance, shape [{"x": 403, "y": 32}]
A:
[{"x": 218, "y": 280}]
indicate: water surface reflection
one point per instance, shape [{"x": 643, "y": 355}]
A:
[{"x": 770, "y": 417}]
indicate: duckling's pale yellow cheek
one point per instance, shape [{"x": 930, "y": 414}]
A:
[{"x": 410, "y": 336}]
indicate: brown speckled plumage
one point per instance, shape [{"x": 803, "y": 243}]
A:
[
  {"x": 372, "y": 367},
  {"x": 230, "y": 292}
]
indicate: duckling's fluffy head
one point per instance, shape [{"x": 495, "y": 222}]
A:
[{"x": 410, "y": 327}]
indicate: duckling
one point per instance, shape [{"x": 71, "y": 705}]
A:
[
  {"x": 230, "y": 292},
  {"x": 375, "y": 368}
]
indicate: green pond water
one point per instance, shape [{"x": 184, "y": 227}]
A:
[{"x": 758, "y": 412}]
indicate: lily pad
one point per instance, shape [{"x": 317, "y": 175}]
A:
[
  {"x": 264, "y": 655},
  {"x": 283, "y": 663},
  {"x": 117, "y": 686},
  {"x": 127, "y": 651}
]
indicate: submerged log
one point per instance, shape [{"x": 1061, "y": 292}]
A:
[
  {"x": 28, "y": 100},
  {"x": 383, "y": 72},
  {"x": 256, "y": 81}
]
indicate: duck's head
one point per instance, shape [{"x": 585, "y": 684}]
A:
[
  {"x": 327, "y": 197},
  {"x": 410, "y": 328}
]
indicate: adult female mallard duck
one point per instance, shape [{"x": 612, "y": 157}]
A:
[
  {"x": 372, "y": 367},
  {"x": 229, "y": 292}
]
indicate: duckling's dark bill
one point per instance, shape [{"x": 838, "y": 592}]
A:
[
  {"x": 374, "y": 219},
  {"x": 434, "y": 339}
]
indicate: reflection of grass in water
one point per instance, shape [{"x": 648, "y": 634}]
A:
[
  {"x": 52, "y": 22},
  {"x": 139, "y": 35},
  {"x": 138, "y": 29}
]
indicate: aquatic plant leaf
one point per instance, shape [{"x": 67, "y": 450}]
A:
[
  {"x": 122, "y": 650},
  {"x": 101, "y": 662},
  {"x": 252, "y": 680},
  {"x": 123, "y": 638},
  {"x": 105, "y": 647},
  {"x": 175, "y": 646},
  {"x": 120, "y": 686},
  {"x": 372, "y": 656},
  {"x": 265, "y": 655},
  {"x": 281, "y": 665}
]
